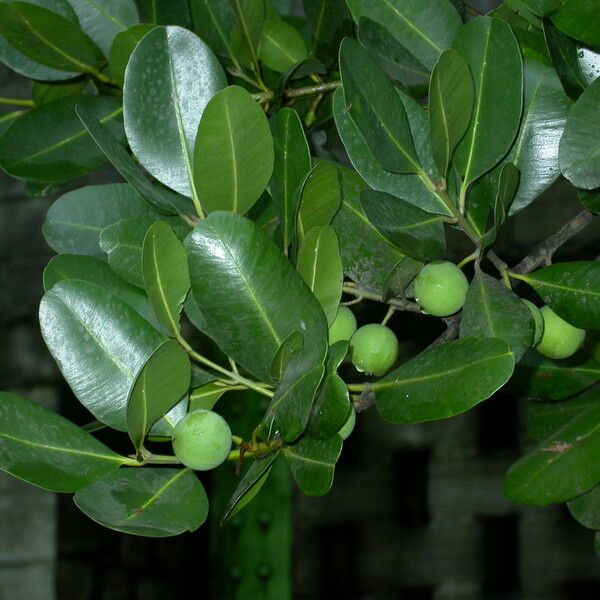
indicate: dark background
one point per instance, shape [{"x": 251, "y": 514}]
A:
[{"x": 416, "y": 512}]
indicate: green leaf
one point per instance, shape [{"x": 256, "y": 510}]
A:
[
  {"x": 175, "y": 12},
  {"x": 231, "y": 268},
  {"x": 150, "y": 502},
  {"x": 492, "y": 53},
  {"x": 329, "y": 23},
  {"x": 23, "y": 65},
  {"x": 123, "y": 46},
  {"x": 312, "y": 463},
  {"x": 50, "y": 144},
  {"x": 395, "y": 59},
  {"x": 122, "y": 242},
  {"x": 320, "y": 199},
  {"x": 249, "y": 16},
  {"x": 288, "y": 348},
  {"x": 543, "y": 7},
  {"x": 561, "y": 467},
  {"x": 320, "y": 265},
  {"x": 206, "y": 396},
  {"x": 171, "y": 76},
  {"x": 42, "y": 93},
  {"x": 93, "y": 270},
  {"x": 280, "y": 46},
  {"x": 450, "y": 106},
  {"x": 165, "y": 273},
  {"x": 579, "y": 150},
  {"x": 213, "y": 21},
  {"x": 75, "y": 220},
  {"x": 43, "y": 448},
  {"x": 233, "y": 157},
  {"x": 331, "y": 409},
  {"x": 444, "y": 381},
  {"x": 48, "y": 38},
  {"x": 376, "y": 109},
  {"x": 160, "y": 199},
  {"x": 249, "y": 485},
  {"x": 544, "y": 418},
  {"x": 414, "y": 231},
  {"x": 579, "y": 19},
  {"x": 100, "y": 345},
  {"x": 492, "y": 310},
  {"x": 409, "y": 187},
  {"x": 586, "y": 509},
  {"x": 291, "y": 166},
  {"x": 367, "y": 256},
  {"x": 590, "y": 201},
  {"x": 427, "y": 27},
  {"x": 102, "y": 20},
  {"x": 160, "y": 385},
  {"x": 571, "y": 289},
  {"x": 535, "y": 151},
  {"x": 541, "y": 377}
]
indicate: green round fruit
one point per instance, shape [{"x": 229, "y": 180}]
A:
[
  {"x": 537, "y": 319},
  {"x": 343, "y": 326},
  {"x": 560, "y": 339},
  {"x": 374, "y": 349},
  {"x": 348, "y": 427},
  {"x": 202, "y": 440},
  {"x": 441, "y": 288}
]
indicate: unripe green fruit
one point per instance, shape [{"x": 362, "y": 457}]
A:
[
  {"x": 441, "y": 288},
  {"x": 560, "y": 339},
  {"x": 202, "y": 440},
  {"x": 374, "y": 349},
  {"x": 348, "y": 427},
  {"x": 537, "y": 319},
  {"x": 343, "y": 326}
]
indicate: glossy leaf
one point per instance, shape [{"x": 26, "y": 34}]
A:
[
  {"x": 543, "y": 7},
  {"x": 231, "y": 268},
  {"x": 102, "y": 20},
  {"x": 48, "y": 38},
  {"x": 165, "y": 274},
  {"x": 571, "y": 289},
  {"x": 414, "y": 231},
  {"x": 43, "y": 448},
  {"x": 150, "y": 502},
  {"x": 329, "y": 22},
  {"x": 586, "y": 508},
  {"x": 100, "y": 345},
  {"x": 123, "y": 244},
  {"x": 409, "y": 187},
  {"x": 123, "y": 46},
  {"x": 280, "y": 46},
  {"x": 367, "y": 256},
  {"x": 171, "y": 76},
  {"x": 249, "y": 16},
  {"x": 233, "y": 157},
  {"x": 492, "y": 310},
  {"x": 71, "y": 267},
  {"x": 288, "y": 348},
  {"x": 320, "y": 199},
  {"x": 562, "y": 466},
  {"x": 213, "y": 21},
  {"x": 312, "y": 463},
  {"x": 206, "y": 396},
  {"x": 249, "y": 485},
  {"x": 450, "y": 106},
  {"x": 49, "y": 143},
  {"x": 75, "y": 220},
  {"x": 331, "y": 408},
  {"x": 174, "y": 12},
  {"x": 579, "y": 19},
  {"x": 161, "y": 384},
  {"x": 535, "y": 152},
  {"x": 42, "y": 93},
  {"x": 492, "y": 53},
  {"x": 394, "y": 58},
  {"x": 427, "y": 27},
  {"x": 376, "y": 109},
  {"x": 590, "y": 201},
  {"x": 320, "y": 265},
  {"x": 292, "y": 164},
  {"x": 444, "y": 381},
  {"x": 160, "y": 199},
  {"x": 579, "y": 147}
]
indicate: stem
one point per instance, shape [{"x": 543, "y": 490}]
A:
[
  {"x": 311, "y": 115},
  {"x": 542, "y": 254},
  {"x": 103, "y": 78},
  {"x": 397, "y": 303},
  {"x": 311, "y": 90},
  {"x": 468, "y": 259},
  {"x": 388, "y": 315},
  {"x": 16, "y": 102},
  {"x": 237, "y": 72}
]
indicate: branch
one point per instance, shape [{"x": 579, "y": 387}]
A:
[
  {"x": 311, "y": 90},
  {"x": 452, "y": 329},
  {"x": 397, "y": 303},
  {"x": 542, "y": 254}
]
